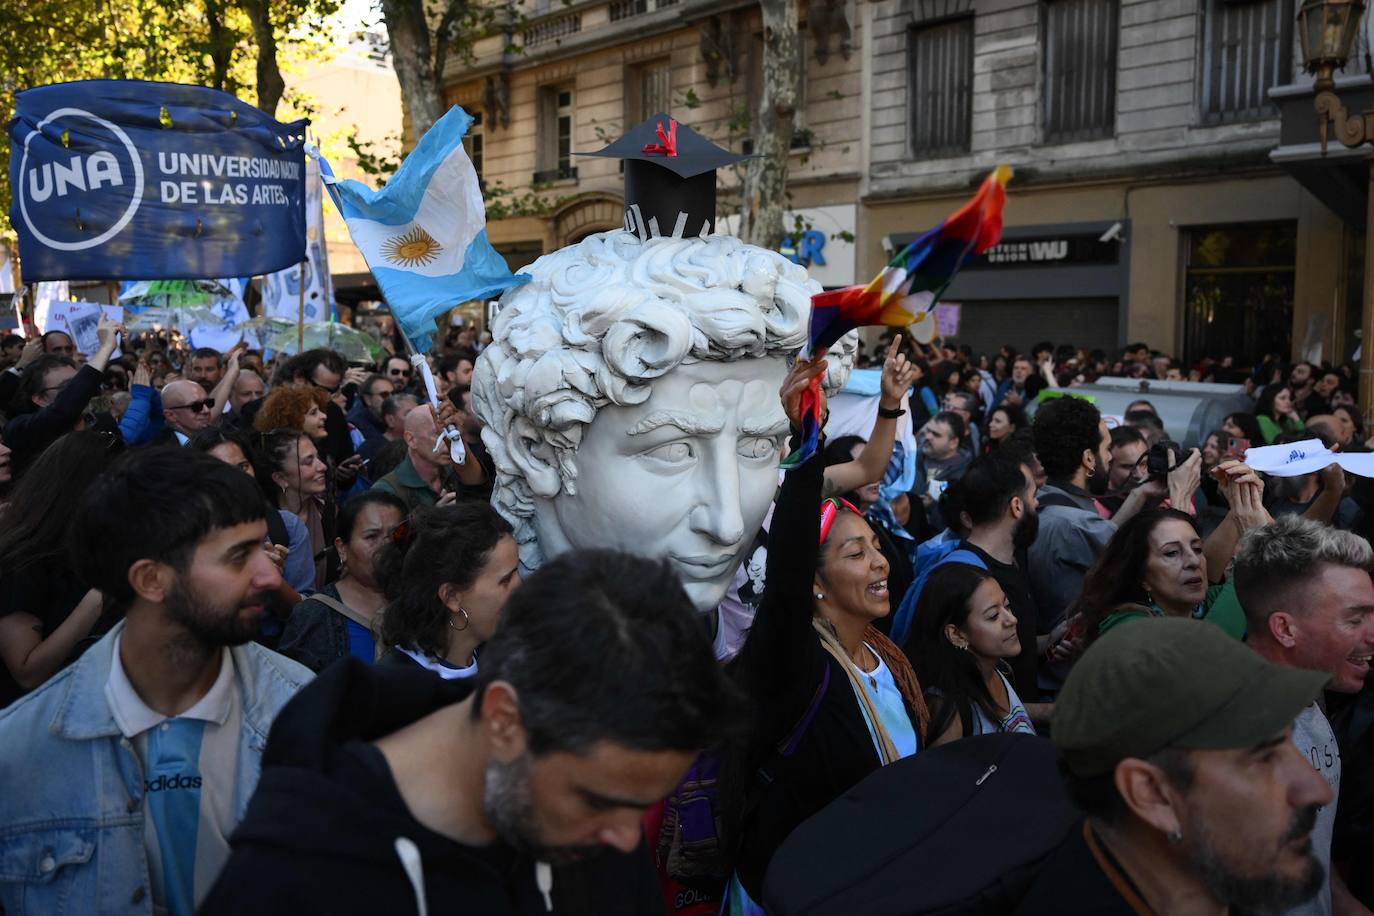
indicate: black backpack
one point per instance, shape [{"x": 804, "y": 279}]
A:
[{"x": 962, "y": 828}]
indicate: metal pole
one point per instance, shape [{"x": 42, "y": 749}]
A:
[
  {"x": 1367, "y": 312},
  {"x": 300, "y": 313}
]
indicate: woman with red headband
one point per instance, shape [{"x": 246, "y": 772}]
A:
[{"x": 833, "y": 698}]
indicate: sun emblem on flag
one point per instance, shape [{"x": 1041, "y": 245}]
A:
[{"x": 413, "y": 249}]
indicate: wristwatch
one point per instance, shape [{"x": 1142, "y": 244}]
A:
[{"x": 890, "y": 413}]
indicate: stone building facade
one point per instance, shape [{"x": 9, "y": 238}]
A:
[
  {"x": 1147, "y": 204},
  {"x": 588, "y": 69}
]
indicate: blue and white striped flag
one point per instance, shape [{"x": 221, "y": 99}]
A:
[{"x": 424, "y": 234}]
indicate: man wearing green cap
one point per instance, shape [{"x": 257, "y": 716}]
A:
[
  {"x": 1309, "y": 603},
  {"x": 1176, "y": 742}
]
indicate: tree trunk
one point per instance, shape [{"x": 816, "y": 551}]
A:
[
  {"x": 412, "y": 56},
  {"x": 270, "y": 82},
  {"x": 765, "y": 183},
  {"x": 221, "y": 44}
]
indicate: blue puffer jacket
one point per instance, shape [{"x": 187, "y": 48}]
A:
[{"x": 142, "y": 421}]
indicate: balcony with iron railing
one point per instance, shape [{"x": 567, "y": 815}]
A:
[
  {"x": 624, "y": 9},
  {"x": 550, "y": 176},
  {"x": 575, "y": 27}
]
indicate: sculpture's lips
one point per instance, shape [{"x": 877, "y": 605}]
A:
[{"x": 706, "y": 566}]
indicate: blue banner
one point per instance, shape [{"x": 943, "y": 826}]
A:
[{"x": 123, "y": 179}]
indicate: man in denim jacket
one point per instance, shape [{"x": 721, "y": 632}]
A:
[{"x": 125, "y": 774}]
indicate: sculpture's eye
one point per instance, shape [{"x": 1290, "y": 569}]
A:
[
  {"x": 671, "y": 452},
  {"x": 756, "y": 447}
]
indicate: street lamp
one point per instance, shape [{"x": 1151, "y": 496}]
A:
[{"x": 1327, "y": 29}]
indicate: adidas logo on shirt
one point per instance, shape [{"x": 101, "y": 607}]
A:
[{"x": 177, "y": 781}]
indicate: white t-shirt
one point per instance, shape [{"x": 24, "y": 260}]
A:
[
  {"x": 445, "y": 671},
  {"x": 1317, "y": 742},
  {"x": 887, "y": 699}
]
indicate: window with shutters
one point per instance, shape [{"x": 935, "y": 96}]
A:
[
  {"x": 1080, "y": 69},
  {"x": 473, "y": 143},
  {"x": 940, "y": 87},
  {"x": 1247, "y": 49},
  {"x": 650, "y": 90},
  {"x": 555, "y": 134}
]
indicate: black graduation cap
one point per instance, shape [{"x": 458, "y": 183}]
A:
[{"x": 670, "y": 178}]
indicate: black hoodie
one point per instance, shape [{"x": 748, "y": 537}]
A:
[{"x": 328, "y": 832}]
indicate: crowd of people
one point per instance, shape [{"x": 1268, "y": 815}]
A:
[{"x": 265, "y": 645}]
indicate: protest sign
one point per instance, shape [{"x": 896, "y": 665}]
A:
[
  {"x": 45, "y": 296},
  {"x": 231, "y": 312},
  {"x": 281, "y": 291},
  {"x": 80, "y": 320},
  {"x": 947, "y": 319},
  {"x": 120, "y": 179}
]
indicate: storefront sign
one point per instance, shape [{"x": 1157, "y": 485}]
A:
[
  {"x": 807, "y": 252},
  {"x": 825, "y": 245},
  {"x": 1054, "y": 251}
]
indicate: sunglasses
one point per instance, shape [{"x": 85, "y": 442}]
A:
[
  {"x": 326, "y": 390},
  {"x": 195, "y": 406},
  {"x": 401, "y": 372}
]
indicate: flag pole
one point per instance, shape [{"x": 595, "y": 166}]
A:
[
  {"x": 300, "y": 314},
  {"x": 457, "y": 450}
]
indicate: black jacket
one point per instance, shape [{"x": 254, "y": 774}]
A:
[
  {"x": 321, "y": 833},
  {"x": 29, "y": 434},
  {"x": 316, "y": 635},
  {"x": 784, "y": 668},
  {"x": 1072, "y": 883}
]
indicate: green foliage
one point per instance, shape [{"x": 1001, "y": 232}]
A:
[
  {"x": 203, "y": 42},
  {"x": 376, "y": 164},
  {"x": 505, "y": 203}
]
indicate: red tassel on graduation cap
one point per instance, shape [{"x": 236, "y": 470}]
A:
[{"x": 667, "y": 144}]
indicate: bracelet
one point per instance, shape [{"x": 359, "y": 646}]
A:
[{"x": 890, "y": 413}]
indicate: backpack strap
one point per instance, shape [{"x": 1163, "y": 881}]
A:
[
  {"x": 906, "y": 611},
  {"x": 336, "y": 605},
  {"x": 788, "y": 746},
  {"x": 1062, "y": 500},
  {"x": 339, "y": 607}
]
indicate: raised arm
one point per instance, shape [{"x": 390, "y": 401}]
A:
[
  {"x": 226, "y": 384},
  {"x": 1323, "y": 508},
  {"x": 781, "y": 648},
  {"x": 1244, "y": 491},
  {"x": 898, "y": 376}
]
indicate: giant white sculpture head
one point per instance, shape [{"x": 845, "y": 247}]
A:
[{"x": 631, "y": 399}]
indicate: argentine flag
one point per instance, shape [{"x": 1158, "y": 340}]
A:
[{"x": 424, "y": 234}]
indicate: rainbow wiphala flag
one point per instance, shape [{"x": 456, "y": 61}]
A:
[{"x": 906, "y": 290}]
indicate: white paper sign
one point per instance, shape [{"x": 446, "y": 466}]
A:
[
  {"x": 232, "y": 312},
  {"x": 1306, "y": 457},
  {"x": 80, "y": 320}
]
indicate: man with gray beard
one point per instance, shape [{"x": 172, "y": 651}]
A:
[
  {"x": 1177, "y": 742},
  {"x": 390, "y": 790}
]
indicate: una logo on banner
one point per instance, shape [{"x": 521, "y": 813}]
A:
[{"x": 118, "y": 166}]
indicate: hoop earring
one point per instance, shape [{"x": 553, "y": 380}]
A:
[{"x": 467, "y": 621}]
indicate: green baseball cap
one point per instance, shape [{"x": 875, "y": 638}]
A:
[{"x": 1172, "y": 682}]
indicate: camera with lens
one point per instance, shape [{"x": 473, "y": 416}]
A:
[{"x": 1157, "y": 462}]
